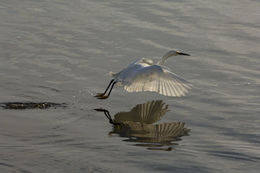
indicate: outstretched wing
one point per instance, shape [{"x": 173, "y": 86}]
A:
[{"x": 158, "y": 79}]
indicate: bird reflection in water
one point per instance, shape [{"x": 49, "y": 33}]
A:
[{"x": 138, "y": 126}]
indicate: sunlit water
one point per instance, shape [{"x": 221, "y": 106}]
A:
[{"x": 62, "y": 51}]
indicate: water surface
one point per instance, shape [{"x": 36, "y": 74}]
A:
[{"x": 61, "y": 51}]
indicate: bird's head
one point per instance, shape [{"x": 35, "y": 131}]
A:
[
  {"x": 171, "y": 53},
  {"x": 175, "y": 53}
]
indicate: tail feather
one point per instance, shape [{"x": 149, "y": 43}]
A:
[{"x": 113, "y": 74}]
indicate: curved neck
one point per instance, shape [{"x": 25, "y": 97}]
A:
[{"x": 166, "y": 56}]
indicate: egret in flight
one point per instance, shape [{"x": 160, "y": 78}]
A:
[{"x": 145, "y": 75}]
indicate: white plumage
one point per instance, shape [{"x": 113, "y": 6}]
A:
[{"x": 144, "y": 75}]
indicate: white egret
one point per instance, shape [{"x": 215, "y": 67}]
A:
[{"x": 145, "y": 75}]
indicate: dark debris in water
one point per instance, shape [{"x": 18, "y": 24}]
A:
[{"x": 31, "y": 105}]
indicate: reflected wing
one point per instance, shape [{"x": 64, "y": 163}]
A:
[
  {"x": 147, "y": 113},
  {"x": 158, "y": 79},
  {"x": 174, "y": 130},
  {"x": 154, "y": 133},
  {"x": 161, "y": 132}
]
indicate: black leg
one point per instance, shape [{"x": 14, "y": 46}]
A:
[
  {"x": 102, "y": 94},
  {"x": 107, "y": 114},
  {"x": 111, "y": 88},
  {"x": 105, "y": 97},
  {"x": 109, "y": 85}
]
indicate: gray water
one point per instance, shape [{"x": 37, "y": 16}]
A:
[{"x": 62, "y": 51}]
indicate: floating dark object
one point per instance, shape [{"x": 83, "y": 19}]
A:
[{"x": 31, "y": 105}]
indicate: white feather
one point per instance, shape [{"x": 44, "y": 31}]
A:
[
  {"x": 145, "y": 75},
  {"x": 140, "y": 76}
]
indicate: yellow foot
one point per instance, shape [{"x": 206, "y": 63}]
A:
[
  {"x": 102, "y": 97},
  {"x": 99, "y": 95}
]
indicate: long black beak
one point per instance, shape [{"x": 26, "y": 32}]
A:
[
  {"x": 100, "y": 110},
  {"x": 181, "y": 53}
]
